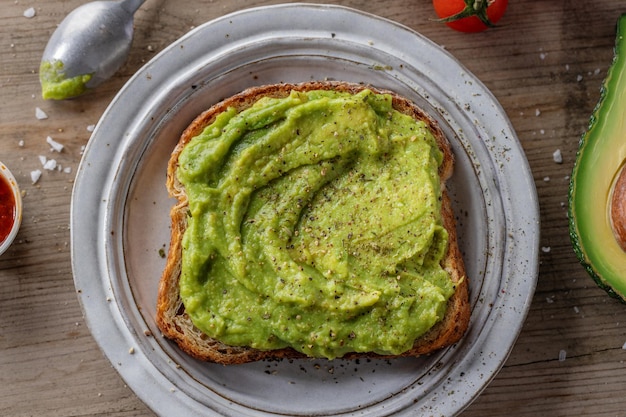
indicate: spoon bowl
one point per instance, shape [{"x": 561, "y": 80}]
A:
[{"x": 87, "y": 48}]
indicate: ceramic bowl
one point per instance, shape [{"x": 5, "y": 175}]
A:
[{"x": 8, "y": 177}]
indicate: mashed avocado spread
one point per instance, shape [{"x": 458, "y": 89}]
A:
[
  {"x": 55, "y": 85},
  {"x": 314, "y": 223}
]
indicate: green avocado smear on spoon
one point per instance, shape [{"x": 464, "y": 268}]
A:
[{"x": 56, "y": 86}]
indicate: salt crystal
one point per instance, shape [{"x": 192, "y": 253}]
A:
[
  {"x": 29, "y": 13},
  {"x": 624, "y": 346},
  {"x": 542, "y": 56},
  {"x": 35, "y": 175},
  {"x": 50, "y": 164},
  {"x": 576, "y": 310},
  {"x": 546, "y": 179},
  {"x": 42, "y": 159},
  {"x": 40, "y": 114},
  {"x": 558, "y": 158},
  {"x": 20, "y": 143},
  {"x": 579, "y": 78},
  {"x": 537, "y": 112},
  {"x": 90, "y": 128},
  {"x": 545, "y": 249},
  {"x": 562, "y": 355},
  {"x": 56, "y": 146},
  {"x": 67, "y": 170}
]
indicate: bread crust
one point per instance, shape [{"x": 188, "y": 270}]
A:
[{"x": 177, "y": 326}]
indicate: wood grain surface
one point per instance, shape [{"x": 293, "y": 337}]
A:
[{"x": 545, "y": 64}]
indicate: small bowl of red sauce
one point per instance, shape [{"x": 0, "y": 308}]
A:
[{"x": 10, "y": 208}]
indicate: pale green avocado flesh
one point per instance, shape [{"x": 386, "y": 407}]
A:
[
  {"x": 600, "y": 157},
  {"x": 55, "y": 85},
  {"x": 315, "y": 223}
]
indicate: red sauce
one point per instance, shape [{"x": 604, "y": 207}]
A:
[{"x": 7, "y": 208}]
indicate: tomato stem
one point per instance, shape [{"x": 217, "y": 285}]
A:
[{"x": 476, "y": 8}]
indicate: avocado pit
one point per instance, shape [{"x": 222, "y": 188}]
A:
[{"x": 617, "y": 208}]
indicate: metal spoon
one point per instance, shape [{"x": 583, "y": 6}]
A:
[{"x": 87, "y": 48}]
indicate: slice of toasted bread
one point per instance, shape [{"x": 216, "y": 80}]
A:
[{"x": 176, "y": 324}]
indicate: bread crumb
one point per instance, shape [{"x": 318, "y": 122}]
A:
[
  {"x": 545, "y": 249},
  {"x": 131, "y": 350},
  {"x": 20, "y": 143}
]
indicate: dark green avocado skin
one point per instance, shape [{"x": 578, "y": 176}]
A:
[{"x": 610, "y": 105}]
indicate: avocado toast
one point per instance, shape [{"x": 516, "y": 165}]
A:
[{"x": 312, "y": 220}]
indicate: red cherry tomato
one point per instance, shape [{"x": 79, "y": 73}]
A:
[{"x": 470, "y": 15}]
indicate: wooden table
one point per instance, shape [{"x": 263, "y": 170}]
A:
[{"x": 545, "y": 64}]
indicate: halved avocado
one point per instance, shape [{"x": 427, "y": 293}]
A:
[{"x": 599, "y": 162}]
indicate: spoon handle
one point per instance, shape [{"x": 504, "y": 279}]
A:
[{"x": 131, "y": 5}]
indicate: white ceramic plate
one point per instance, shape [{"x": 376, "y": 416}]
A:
[{"x": 120, "y": 216}]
